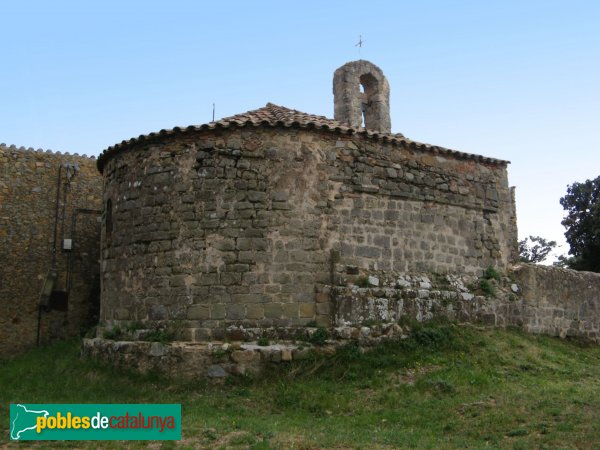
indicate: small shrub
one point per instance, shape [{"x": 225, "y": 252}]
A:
[
  {"x": 134, "y": 326},
  {"x": 432, "y": 338},
  {"x": 312, "y": 324},
  {"x": 487, "y": 288},
  {"x": 362, "y": 282},
  {"x": 263, "y": 341},
  {"x": 162, "y": 336},
  {"x": 319, "y": 337},
  {"x": 220, "y": 353},
  {"x": 349, "y": 352},
  {"x": 409, "y": 322},
  {"x": 370, "y": 323},
  {"x": 491, "y": 274},
  {"x": 441, "y": 280},
  {"x": 429, "y": 337},
  {"x": 115, "y": 333}
]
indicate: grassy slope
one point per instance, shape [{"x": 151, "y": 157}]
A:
[{"x": 446, "y": 387}]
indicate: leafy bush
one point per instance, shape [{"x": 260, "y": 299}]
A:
[
  {"x": 134, "y": 326},
  {"x": 162, "y": 336},
  {"x": 487, "y": 288},
  {"x": 432, "y": 337},
  {"x": 582, "y": 222},
  {"x": 491, "y": 274},
  {"x": 319, "y": 337},
  {"x": 115, "y": 333},
  {"x": 362, "y": 282},
  {"x": 263, "y": 341},
  {"x": 349, "y": 352},
  {"x": 535, "y": 249}
]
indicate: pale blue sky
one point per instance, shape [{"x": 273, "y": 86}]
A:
[{"x": 516, "y": 80}]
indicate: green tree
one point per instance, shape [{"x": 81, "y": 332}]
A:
[
  {"x": 535, "y": 249},
  {"x": 582, "y": 203}
]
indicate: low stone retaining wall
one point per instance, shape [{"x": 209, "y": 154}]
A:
[
  {"x": 370, "y": 308},
  {"x": 558, "y": 302},
  {"x": 539, "y": 299},
  {"x": 220, "y": 359},
  {"x": 418, "y": 298}
]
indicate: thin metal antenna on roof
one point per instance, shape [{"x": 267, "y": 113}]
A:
[
  {"x": 359, "y": 45},
  {"x": 213, "y": 112}
]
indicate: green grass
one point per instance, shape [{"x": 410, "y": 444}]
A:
[{"x": 446, "y": 387}]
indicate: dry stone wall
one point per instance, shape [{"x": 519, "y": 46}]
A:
[
  {"x": 558, "y": 302},
  {"x": 246, "y": 227},
  {"x": 28, "y": 184},
  {"x": 373, "y": 306},
  {"x": 538, "y": 299}
]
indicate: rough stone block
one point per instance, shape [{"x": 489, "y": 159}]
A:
[
  {"x": 216, "y": 371},
  {"x": 217, "y": 311},
  {"x": 121, "y": 314},
  {"x": 257, "y": 244},
  {"x": 236, "y": 312},
  {"x": 307, "y": 309},
  {"x": 273, "y": 310},
  {"x": 158, "y": 312},
  {"x": 245, "y": 356},
  {"x": 323, "y": 309},
  {"x": 286, "y": 354},
  {"x": 322, "y": 297},
  {"x": 229, "y": 278},
  {"x": 255, "y": 311},
  {"x": 198, "y": 312}
]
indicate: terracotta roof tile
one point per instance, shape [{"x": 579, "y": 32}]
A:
[{"x": 275, "y": 115}]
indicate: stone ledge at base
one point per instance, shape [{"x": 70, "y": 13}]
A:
[
  {"x": 218, "y": 359},
  {"x": 537, "y": 299}
]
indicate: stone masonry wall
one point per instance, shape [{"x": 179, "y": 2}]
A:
[
  {"x": 246, "y": 226},
  {"x": 353, "y": 107},
  {"x": 28, "y": 183},
  {"x": 215, "y": 229},
  {"x": 538, "y": 299},
  {"x": 409, "y": 210},
  {"x": 391, "y": 297},
  {"x": 371, "y": 307},
  {"x": 558, "y": 302}
]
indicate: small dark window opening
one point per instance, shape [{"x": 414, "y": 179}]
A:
[{"x": 108, "y": 220}]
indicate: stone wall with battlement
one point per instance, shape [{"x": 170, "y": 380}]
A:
[{"x": 28, "y": 185}]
